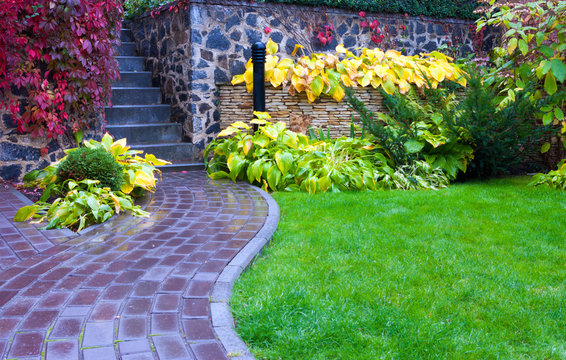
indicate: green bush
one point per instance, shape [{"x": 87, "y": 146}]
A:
[
  {"x": 94, "y": 164},
  {"x": 415, "y": 129},
  {"x": 502, "y": 135},
  {"x": 463, "y": 9}
]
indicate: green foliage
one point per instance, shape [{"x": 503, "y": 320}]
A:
[
  {"x": 278, "y": 159},
  {"x": 415, "y": 129},
  {"x": 555, "y": 179},
  {"x": 94, "y": 164},
  {"x": 133, "y": 8},
  {"x": 76, "y": 207},
  {"x": 463, "y": 9},
  {"x": 499, "y": 135},
  {"x": 533, "y": 51},
  {"x": 86, "y": 202},
  {"x": 468, "y": 272}
]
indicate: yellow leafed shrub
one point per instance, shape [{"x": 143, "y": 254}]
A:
[{"x": 328, "y": 74}]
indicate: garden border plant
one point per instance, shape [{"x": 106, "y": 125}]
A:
[{"x": 82, "y": 201}]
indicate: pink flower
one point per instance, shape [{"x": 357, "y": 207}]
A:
[
  {"x": 267, "y": 29},
  {"x": 374, "y": 24},
  {"x": 323, "y": 40},
  {"x": 364, "y": 24},
  {"x": 362, "y": 13}
]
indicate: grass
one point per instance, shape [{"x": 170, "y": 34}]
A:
[{"x": 476, "y": 271}]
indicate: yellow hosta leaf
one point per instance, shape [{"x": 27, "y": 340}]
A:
[
  {"x": 388, "y": 86},
  {"x": 238, "y": 79},
  {"x": 262, "y": 115},
  {"x": 462, "y": 81},
  {"x": 317, "y": 85},
  {"x": 346, "y": 80},
  {"x": 248, "y": 142},
  {"x": 271, "y": 62},
  {"x": 240, "y": 125},
  {"x": 277, "y": 77},
  {"x": 285, "y": 64},
  {"x": 393, "y": 54},
  {"x": 376, "y": 82},
  {"x": 311, "y": 97},
  {"x": 437, "y": 73},
  {"x": 340, "y": 49},
  {"x": 227, "y": 132},
  {"x": 144, "y": 180},
  {"x": 271, "y": 47},
  {"x": 338, "y": 94},
  {"x": 331, "y": 61},
  {"x": 259, "y": 122},
  {"x": 404, "y": 86},
  {"x": 296, "y": 49}
]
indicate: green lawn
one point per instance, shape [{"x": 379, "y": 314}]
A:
[{"x": 476, "y": 271}]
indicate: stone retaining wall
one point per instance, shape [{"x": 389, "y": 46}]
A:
[
  {"x": 325, "y": 113},
  {"x": 21, "y": 153},
  {"x": 208, "y": 42}
]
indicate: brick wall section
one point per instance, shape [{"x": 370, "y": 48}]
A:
[
  {"x": 236, "y": 104},
  {"x": 215, "y": 41}
]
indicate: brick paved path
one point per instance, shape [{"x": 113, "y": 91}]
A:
[{"x": 132, "y": 288}]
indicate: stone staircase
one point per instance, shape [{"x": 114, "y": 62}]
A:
[{"x": 138, "y": 114}]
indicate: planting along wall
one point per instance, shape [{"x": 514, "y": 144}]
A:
[
  {"x": 193, "y": 50},
  {"x": 236, "y": 104}
]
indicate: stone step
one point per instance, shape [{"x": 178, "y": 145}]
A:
[
  {"x": 130, "y": 63},
  {"x": 177, "y": 167},
  {"x": 136, "y": 96},
  {"x": 134, "y": 79},
  {"x": 147, "y": 133},
  {"x": 137, "y": 114},
  {"x": 127, "y": 49},
  {"x": 176, "y": 152},
  {"x": 126, "y": 35}
]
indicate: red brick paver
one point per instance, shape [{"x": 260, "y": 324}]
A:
[{"x": 132, "y": 288}]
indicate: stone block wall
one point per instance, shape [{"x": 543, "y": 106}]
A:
[
  {"x": 194, "y": 50},
  {"x": 21, "y": 153},
  {"x": 325, "y": 113}
]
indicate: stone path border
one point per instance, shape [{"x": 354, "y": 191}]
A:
[
  {"x": 222, "y": 320},
  {"x": 133, "y": 288}
]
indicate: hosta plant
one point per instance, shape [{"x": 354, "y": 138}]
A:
[
  {"x": 329, "y": 74},
  {"x": 84, "y": 204},
  {"x": 277, "y": 159},
  {"x": 138, "y": 172}
]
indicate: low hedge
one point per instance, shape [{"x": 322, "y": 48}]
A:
[{"x": 462, "y": 9}]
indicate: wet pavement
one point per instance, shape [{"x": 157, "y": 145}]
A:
[{"x": 132, "y": 288}]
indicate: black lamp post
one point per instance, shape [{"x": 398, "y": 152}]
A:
[{"x": 258, "y": 60}]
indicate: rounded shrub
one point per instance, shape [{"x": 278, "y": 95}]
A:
[{"x": 93, "y": 164}]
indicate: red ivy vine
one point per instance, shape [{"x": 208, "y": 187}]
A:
[{"x": 58, "y": 56}]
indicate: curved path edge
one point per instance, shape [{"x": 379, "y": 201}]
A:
[{"x": 222, "y": 320}]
